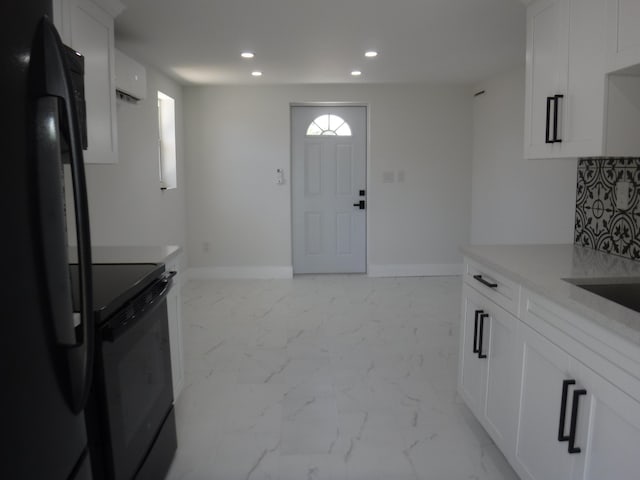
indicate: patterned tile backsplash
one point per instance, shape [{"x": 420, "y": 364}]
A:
[{"x": 608, "y": 205}]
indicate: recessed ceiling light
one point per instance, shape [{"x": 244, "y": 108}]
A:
[
  {"x": 247, "y": 54},
  {"x": 356, "y": 73},
  {"x": 256, "y": 73},
  {"x": 371, "y": 54}
]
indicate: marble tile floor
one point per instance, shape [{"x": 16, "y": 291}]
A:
[{"x": 336, "y": 377}]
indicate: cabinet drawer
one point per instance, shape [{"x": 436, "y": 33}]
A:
[
  {"x": 498, "y": 288},
  {"x": 569, "y": 332}
]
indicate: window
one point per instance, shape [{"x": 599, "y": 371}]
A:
[
  {"x": 329, "y": 125},
  {"x": 167, "y": 141}
]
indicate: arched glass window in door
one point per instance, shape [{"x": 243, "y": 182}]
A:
[{"x": 329, "y": 125}]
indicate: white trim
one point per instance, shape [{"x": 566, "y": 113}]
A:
[
  {"x": 409, "y": 270},
  {"x": 368, "y": 169},
  {"x": 261, "y": 273}
]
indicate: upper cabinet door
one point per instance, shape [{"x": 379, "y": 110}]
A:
[
  {"x": 87, "y": 27},
  {"x": 547, "y": 47},
  {"x": 566, "y": 84},
  {"x": 91, "y": 33},
  {"x": 623, "y": 38},
  {"x": 584, "y": 105}
]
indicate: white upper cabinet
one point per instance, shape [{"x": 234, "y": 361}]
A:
[
  {"x": 572, "y": 107},
  {"x": 623, "y": 37},
  {"x": 87, "y": 27},
  {"x": 565, "y": 83}
]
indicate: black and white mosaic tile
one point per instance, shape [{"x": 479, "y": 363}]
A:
[{"x": 603, "y": 221}]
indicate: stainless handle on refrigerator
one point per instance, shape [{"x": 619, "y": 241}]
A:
[{"x": 54, "y": 101}]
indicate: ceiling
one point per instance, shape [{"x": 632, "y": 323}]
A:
[{"x": 322, "y": 41}]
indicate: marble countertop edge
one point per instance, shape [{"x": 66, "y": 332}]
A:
[
  {"x": 542, "y": 269},
  {"x": 129, "y": 253}
]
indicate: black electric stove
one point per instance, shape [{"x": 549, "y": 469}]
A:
[
  {"x": 130, "y": 419},
  {"x": 114, "y": 285}
]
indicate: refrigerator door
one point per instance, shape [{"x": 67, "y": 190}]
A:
[{"x": 43, "y": 429}]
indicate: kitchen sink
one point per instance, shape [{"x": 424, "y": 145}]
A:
[{"x": 625, "y": 292}]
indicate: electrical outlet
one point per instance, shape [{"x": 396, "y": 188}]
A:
[{"x": 623, "y": 194}]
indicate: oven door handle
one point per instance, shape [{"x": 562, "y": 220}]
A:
[
  {"x": 124, "y": 320},
  {"x": 166, "y": 279}
]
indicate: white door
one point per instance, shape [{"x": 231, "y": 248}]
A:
[{"x": 329, "y": 148}]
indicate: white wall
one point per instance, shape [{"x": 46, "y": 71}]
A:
[
  {"x": 126, "y": 204},
  {"x": 239, "y": 219},
  {"x": 515, "y": 200}
]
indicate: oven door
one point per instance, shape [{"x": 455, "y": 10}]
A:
[{"x": 137, "y": 389}]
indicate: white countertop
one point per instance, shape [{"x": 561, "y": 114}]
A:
[
  {"x": 129, "y": 254},
  {"x": 542, "y": 268}
]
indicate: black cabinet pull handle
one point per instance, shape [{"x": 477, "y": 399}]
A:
[
  {"x": 485, "y": 282},
  {"x": 547, "y": 137},
  {"x": 574, "y": 420},
  {"x": 480, "y": 342},
  {"x": 556, "y": 103},
  {"x": 563, "y": 410},
  {"x": 475, "y": 330}
]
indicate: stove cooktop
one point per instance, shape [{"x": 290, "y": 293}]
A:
[{"x": 114, "y": 284}]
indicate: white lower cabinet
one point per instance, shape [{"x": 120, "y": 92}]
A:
[
  {"x": 487, "y": 369},
  {"x": 545, "y": 367},
  {"x": 604, "y": 442},
  {"x": 174, "y": 310},
  {"x": 608, "y": 432},
  {"x": 559, "y": 402}
]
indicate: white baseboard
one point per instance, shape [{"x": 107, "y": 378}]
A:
[
  {"x": 278, "y": 272},
  {"x": 410, "y": 270},
  {"x": 259, "y": 273}
]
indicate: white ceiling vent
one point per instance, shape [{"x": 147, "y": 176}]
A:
[{"x": 131, "y": 79}]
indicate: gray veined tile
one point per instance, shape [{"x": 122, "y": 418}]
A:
[
  {"x": 333, "y": 377},
  {"x": 312, "y": 467}
]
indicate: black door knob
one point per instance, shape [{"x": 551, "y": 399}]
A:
[{"x": 361, "y": 204}]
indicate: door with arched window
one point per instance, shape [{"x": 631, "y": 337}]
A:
[{"x": 329, "y": 149}]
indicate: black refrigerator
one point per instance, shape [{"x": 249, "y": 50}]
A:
[{"x": 45, "y": 350}]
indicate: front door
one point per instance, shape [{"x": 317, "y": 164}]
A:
[{"x": 329, "y": 148}]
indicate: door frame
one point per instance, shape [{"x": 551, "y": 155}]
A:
[{"x": 367, "y": 108}]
